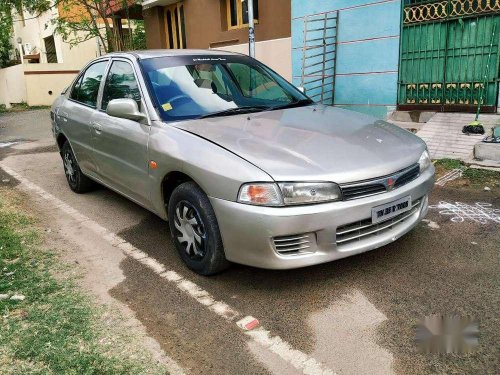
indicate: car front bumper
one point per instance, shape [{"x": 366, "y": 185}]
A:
[{"x": 249, "y": 233}]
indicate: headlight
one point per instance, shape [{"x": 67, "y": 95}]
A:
[
  {"x": 424, "y": 161},
  {"x": 288, "y": 193},
  {"x": 309, "y": 192},
  {"x": 261, "y": 194}
]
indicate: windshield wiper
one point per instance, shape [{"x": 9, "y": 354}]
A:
[
  {"x": 298, "y": 103},
  {"x": 236, "y": 110}
]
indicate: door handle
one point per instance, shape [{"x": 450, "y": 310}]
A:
[
  {"x": 63, "y": 115},
  {"x": 97, "y": 127}
]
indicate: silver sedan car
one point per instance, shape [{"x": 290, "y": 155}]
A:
[{"x": 244, "y": 166}]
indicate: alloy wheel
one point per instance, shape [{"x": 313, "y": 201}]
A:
[
  {"x": 69, "y": 168},
  {"x": 191, "y": 232}
]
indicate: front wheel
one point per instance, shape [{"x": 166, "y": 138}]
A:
[{"x": 195, "y": 231}]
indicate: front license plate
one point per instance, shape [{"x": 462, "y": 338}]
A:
[{"x": 391, "y": 209}]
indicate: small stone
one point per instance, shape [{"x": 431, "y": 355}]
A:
[
  {"x": 9, "y": 273},
  {"x": 474, "y": 243},
  {"x": 17, "y": 297},
  {"x": 48, "y": 230},
  {"x": 3, "y": 296},
  {"x": 486, "y": 188}
]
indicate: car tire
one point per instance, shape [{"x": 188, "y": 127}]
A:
[
  {"x": 77, "y": 181},
  {"x": 195, "y": 230}
]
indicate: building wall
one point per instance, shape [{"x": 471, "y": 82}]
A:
[
  {"x": 274, "y": 53},
  {"x": 34, "y": 84},
  {"x": 44, "y": 82},
  {"x": 367, "y": 51},
  {"x": 12, "y": 87},
  {"x": 206, "y": 24},
  {"x": 34, "y": 30},
  {"x": 206, "y": 27}
]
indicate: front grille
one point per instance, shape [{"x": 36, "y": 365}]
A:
[
  {"x": 407, "y": 176},
  {"x": 353, "y": 192},
  {"x": 379, "y": 185},
  {"x": 294, "y": 244},
  {"x": 363, "y": 229}
]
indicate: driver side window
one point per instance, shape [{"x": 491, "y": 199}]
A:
[
  {"x": 120, "y": 83},
  {"x": 255, "y": 83}
]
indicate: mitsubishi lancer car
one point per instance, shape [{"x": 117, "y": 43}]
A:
[{"x": 243, "y": 166}]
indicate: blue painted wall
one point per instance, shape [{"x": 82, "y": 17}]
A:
[{"x": 367, "y": 50}]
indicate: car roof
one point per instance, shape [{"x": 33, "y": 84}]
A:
[{"x": 153, "y": 53}]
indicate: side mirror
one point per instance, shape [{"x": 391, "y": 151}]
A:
[
  {"x": 125, "y": 108},
  {"x": 302, "y": 89}
]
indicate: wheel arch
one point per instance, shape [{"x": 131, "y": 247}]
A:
[
  {"x": 61, "y": 140},
  {"x": 170, "y": 181}
]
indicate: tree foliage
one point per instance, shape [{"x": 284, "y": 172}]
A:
[
  {"x": 7, "y": 10},
  {"x": 82, "y": 20},
  {"x": 78, "y": 21},
  {"x": 5, "y": 46}
]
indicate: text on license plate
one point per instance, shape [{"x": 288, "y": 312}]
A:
[{"x": 391, "y": 209}]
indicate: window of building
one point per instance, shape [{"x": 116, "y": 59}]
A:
[
  {"x": 87, "y": 87},
  {"x": 237, "y": 13},
  {"x": 50, "y": 49},
  {"x": 120, "y": 83},
  {"x": 174, "y": 24}
]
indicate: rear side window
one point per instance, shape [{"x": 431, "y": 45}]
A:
[
  {"x": 87, "y": 87},
  {"x": 76, "y": 87},
  {"x": 120, "y": 84}
]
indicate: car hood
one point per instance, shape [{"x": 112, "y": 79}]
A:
[{"x": 313, "y": 143}]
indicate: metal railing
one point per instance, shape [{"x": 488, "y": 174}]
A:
[{"x": 319, "y": 53}]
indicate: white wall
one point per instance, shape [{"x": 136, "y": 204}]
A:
[
  {"x": 34, "y": 84},
  {"x": 44, "y": 87},
  {"x": 34, "y": 30},
  {"x": 12, "y": 85},
  {"x": 276, "y": 53}
]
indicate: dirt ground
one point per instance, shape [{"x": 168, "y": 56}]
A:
[{"x": 356, "y": 315}]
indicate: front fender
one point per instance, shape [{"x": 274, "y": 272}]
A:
[{"x": 219, "y": 172}]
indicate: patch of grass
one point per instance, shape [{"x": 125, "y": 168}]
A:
[
  {"x": 56, "y": 329},
  {"x": 20, "y": 107},
  {"x": 481, "y": 175},
  {"x": 449, "y": 164},
  {"x": 471, "y": 177}
]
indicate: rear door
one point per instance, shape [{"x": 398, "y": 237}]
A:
[
  {"x": 77, "y": 112},
  {"x": 120, "y": 145}
]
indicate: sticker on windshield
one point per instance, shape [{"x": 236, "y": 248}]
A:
[{"x": 166, "y": 106}]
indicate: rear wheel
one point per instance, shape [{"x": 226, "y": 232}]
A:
[
  {"x": 77, "y": 181},
  {"x": 195, "y": 231}
]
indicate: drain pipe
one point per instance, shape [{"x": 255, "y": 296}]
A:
[{"x": 251, "y": 30}]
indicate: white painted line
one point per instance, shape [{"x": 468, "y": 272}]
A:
[
  {"x": 450, "y": 176},
  {"x": 7, "y": 144},
  {"x": 275, "y": 344}
]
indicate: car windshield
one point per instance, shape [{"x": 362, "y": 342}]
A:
[{"x": 188, "y": 87}]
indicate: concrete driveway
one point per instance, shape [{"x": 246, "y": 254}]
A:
[{"x": 352, "y": 316}]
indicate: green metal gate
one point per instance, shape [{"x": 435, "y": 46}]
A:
[{"x": 446, "y": 47}]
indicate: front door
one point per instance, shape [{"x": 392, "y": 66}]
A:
[{"x": 120, "y": 145}]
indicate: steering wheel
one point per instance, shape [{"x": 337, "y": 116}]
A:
[{"x": 179, "y": 97}]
